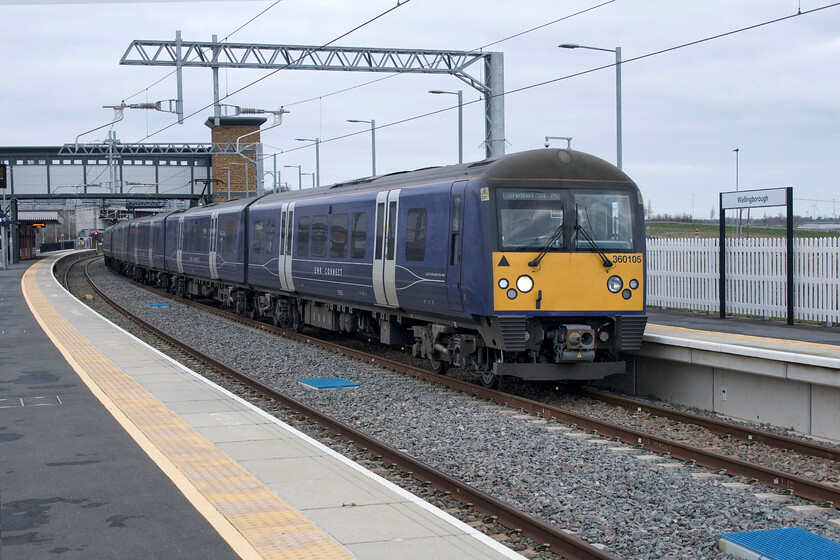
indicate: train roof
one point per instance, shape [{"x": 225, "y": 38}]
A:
[{"x": 536, "y": 165}]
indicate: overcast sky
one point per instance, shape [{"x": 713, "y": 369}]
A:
[{"x": 773, "y": 92}]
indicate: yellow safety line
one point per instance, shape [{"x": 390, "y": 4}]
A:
[
  {"x": 250, "y": 517},
  {"x": 777, "y": 341}
]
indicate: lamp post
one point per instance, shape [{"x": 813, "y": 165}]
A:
[
  {"x": 617, "y": 52},
  {"x": 737, "y": 187},
  {"x": 228, "y": 181},
  {"x": 317, "y": 157},
  {"x": 275, "y": 179},
  {"x": 313, "y": 178},
  {"x": 372, "y": 143},
  {"x": 568, "y": 140},
  {"x": 460, "y": 95},
  {"x": 737, "y": 151},
  {"x": 300, "y": 183}
]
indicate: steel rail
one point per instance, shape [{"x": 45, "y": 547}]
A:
[
  {"x": 718, "y": 427},
  {"x": 566, "y": 545},
  {"x": 804, "y": 488},
  {"x": 798, "y": 486}
]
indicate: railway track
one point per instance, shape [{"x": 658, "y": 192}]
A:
[
  {"x": 824, "y": 494},
  {"x": 546, "y": 539},
  {"x": 551, "y": 506}
]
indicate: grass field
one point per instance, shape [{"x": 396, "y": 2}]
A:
[{"x": 681, "y": 230}]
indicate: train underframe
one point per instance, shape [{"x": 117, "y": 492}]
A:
[{"x": 530, "y": 348}]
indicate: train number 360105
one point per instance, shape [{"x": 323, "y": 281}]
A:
[{"x": 623, "y": 259}]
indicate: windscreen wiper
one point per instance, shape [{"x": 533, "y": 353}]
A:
[
  {"x": 547, "y": 247},
  {"x": 607, "y": 262}
]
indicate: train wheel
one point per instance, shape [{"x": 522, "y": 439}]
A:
[
  {"x": 297, "y": 321},
  {"x": 438, "y": 367},
  {"x": 279, "y": 317},
  {"x": 490, "y": 380}
]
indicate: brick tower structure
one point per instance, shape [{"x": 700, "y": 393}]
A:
[{"x": 225, "y": 131}]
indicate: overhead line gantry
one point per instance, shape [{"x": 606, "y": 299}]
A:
[{"x": 216, "y": 55}]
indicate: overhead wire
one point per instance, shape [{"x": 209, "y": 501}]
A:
[
  {"x": 400, "y": 3},
  {"x": 475, "y": 50},
  {"x": 585, "y": 72},
  {"x": 228, "y": 36}
]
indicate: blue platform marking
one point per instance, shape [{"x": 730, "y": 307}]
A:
[
  {"x": 324, "y": 383},
  {"x": 157, "y": 305},
  {"x": 780, "y": 544}
]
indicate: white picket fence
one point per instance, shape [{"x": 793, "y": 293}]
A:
[{"x": 685, "y": 274}]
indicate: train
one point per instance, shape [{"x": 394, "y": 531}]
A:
[{"x": 529, "y": 265}]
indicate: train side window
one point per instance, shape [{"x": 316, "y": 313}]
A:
[
  {"x": 232, "y": 233},
  {"x": 257, "y": 243},
  {"x": 205, "y": 239},
  {"x": 282, "y": 233},
  {"x": 223, "y": 237},
  {"x": 319, "y": 235},
  {"x": 303, "y": 236},
  {"x": 391, "y": 234},
  {"x": 359, "y": 239},
  {"x": 193, "y": 237},
  {"x": 415, "y": 235},
  {"x": 338, "y": 236},
  {"x": 270, "y": 236},
  {"x": 289, "y": 234},
  {"x": 455, "y": 238},
  {"x": 380, "y": 229}
]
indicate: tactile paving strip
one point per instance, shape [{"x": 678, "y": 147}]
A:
[{"x": 272, "y": 527}]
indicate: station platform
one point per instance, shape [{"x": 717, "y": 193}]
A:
[
  {"x": 112, "y": 450},
  {"x": 760, "y": 371},
  {"x": 772, "y": 335}
]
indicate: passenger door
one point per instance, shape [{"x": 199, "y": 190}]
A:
[
  {"x": 284, "y": 271},
  {"x": 385, "y": 248},
  {"x": 214, "y": 243},
  {"x": 180, "y": 245},
  {"x": 455, "y": 246}
]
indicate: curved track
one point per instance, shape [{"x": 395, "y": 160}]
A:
[
  {"x": 553, "y": 539},
  {"x": 824, "y": 494}
]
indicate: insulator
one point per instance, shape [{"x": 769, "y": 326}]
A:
[
  {"x": 143, "y": 106},
  {"x": 250, "y": 111}
]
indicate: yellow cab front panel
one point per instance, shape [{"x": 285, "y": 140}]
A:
[{"x": 571, "y": 283}]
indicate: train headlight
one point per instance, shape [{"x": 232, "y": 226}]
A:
[
  {"x": 614, "y": 284},
  {"x": 503, "y": 283},
  {"x": 511, "y": 294},
  {"x": 525, "y": 283},
  {"x": 634, "y": 284},
  {"x": 626, "y": 294}
]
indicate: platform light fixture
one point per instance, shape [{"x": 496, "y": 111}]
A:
[
  {"x": 317, "y": 176},
  {"x": 460, "y": 94},
  {"x": 617, "y": 52},
  {"x": 372, "y": 143},
  {"x": 300, "y": 176}
]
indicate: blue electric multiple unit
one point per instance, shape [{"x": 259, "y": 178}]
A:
[{"x": 529, "y": 265}]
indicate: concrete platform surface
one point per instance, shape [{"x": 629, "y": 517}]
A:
[{"x": 246, "y": 484}]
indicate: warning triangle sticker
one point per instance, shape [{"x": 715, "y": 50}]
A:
[{"x": 503, "y": 262}]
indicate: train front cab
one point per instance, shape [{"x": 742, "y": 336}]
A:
[{"x": 568, "y": 279}]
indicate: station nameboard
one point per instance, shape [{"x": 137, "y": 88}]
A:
[{"x": 753, "y": 199}]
